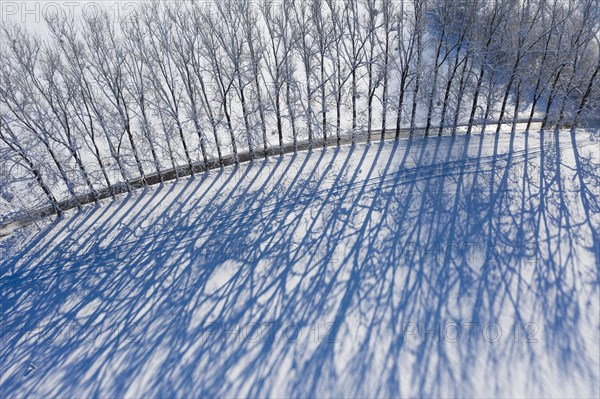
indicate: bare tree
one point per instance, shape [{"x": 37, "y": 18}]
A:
[
  {"x": 234, "y": 45},
  {"x": 419, "y": 11},
  {"x": 386, "y": 42},
  {"x": 302, "y": 20},
  {"x": 253, "y": 34},
  {"x": 323, "y": 32},
  {"x": 525, "y": 40},
  {"x": 275, "y": 62},
  {"x": 339, "y": 72},
  {"x": 9, "y": 138},
  {"x": 354, "y": 52},
  {"x": 91, "y": 114},
  {"x": 199, "y": 62},
  {"x": 442, "y": 12},
  {"x": 373, "y": 57},
  {"x": 23, "y": 96},
  {"x": 408, "y": 28},
  {"x": 461, "y": 21},
  {"x": 162, "y": 70},
  {"x": 137, "y": 67},
  {"x": 184, "y": 46},
  {"x": 220, "y": 71},
  {"x": 107, "y": 56},
  {"x": 584, "y": 44}
]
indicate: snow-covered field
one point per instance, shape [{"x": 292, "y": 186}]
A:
[{"x": 465, "y": 266}]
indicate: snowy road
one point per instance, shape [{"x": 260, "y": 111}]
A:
[
  {"x": 9, "y": 223},
  {"x": 463, "y": 266}
]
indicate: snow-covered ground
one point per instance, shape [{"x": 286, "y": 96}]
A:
[{"x": 465, "y": 266}]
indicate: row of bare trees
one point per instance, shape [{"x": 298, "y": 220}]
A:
[{"x": 183, "y": 86}]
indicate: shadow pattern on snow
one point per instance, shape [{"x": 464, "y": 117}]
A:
[{"x": 382, "y": 270}]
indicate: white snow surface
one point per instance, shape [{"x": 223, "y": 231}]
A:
[{"x": 454, "y": 266}]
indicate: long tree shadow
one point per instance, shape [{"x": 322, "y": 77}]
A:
[{"x": 382, "y": 270}]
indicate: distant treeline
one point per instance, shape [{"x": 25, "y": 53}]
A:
[{"x": 179, "y": 85}]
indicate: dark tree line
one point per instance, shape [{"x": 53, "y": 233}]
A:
[{"x": 183, "y": 86}]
